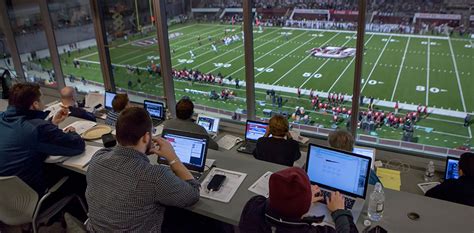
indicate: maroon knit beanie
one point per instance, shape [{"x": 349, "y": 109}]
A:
[{"x": 290, "y": 192}]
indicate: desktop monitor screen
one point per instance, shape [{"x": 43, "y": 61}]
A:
[
  {"x": 211, "y": 124},
  {"x": 109, "y": 96},
  {"x": 156, "y": 109},
  {"x": 338, "y": 170},
  {"x": 191, "y": 149},
  {"x": 452, "y": 168},
  {"x": 255, "y": 130}
]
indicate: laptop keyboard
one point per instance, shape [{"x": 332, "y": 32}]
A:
[
  {"x": 247, "y": 147},
  {"x": 156, "y": 122},
  {"x": 348, "y": 202}
]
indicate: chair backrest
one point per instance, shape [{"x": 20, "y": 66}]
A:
[{"x": 17, "y": 201}]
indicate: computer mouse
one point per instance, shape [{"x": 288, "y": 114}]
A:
[{"x": 413, "y": 216}]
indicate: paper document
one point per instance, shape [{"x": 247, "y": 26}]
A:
[
  {"x": 55, "y": 159},
  {"x": 297, "y": 137},
  {"x": 228, "y": 141},
  {"x": 92, "y": 100},
  {"x": 427, "y": 186},
  {"x": 53, "y": 108},
  {"x": 260, "y": 186},
  {"x": 83, "y": 159},
  {"x": 209, "y": 163},
  {"x": 389, "y": 178},
  {"x": 229, "y": 187},
  {"x": 157, "y": 130},
  {"x": 82, "y": 126}
]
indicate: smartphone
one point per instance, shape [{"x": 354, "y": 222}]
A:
[{"x": 216, "y": 182}]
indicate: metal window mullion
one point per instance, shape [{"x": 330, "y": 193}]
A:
[
  {"x": 11, "y": 42},
  {"x": 249, "y": 59}
]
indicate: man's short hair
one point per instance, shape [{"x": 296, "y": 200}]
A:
[
  {"x": 132, "y": 124},
  {"x": 23, "y": 95},
  {"x": 119, "y": 102},
  {"x": 184, "y": 109},
  {"x": 341, "y": 139},
  {"x": 466, "y": 164},
  {"x": 278, "y": 125}
]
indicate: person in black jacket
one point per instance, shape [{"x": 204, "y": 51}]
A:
[
  {"x": 27, "y": 139},
  {"x": 69, "y": 101},
  {"x": 459, "y": 190},
  {"x": 277, "y": 146},
  {"x": 290, "y": 197}
]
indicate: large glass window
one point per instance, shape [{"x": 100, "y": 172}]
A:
[
  {"x": 76, "y": 44},
  {"x": 133, "y": 47},
  {"x": 207, "y": 52},
  {"x": 27, "y": 26}
]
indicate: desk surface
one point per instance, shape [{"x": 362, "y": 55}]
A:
[{"x": 435, "y": 215}]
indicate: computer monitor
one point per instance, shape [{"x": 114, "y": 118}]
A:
[
  {"x": 108, "y": 98},
  {"x": 255, "y": 130},
  {"x": 155, "y": 109},
  {"x": 211, "y": 124},
  {"x": 191, "y": 149},
  {"x": 369, "y": 152},
  {"x": 452, "y": 168},
  {"x": 337, "y": 170}
]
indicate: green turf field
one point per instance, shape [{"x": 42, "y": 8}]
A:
[{"x": 435, "y": 71}]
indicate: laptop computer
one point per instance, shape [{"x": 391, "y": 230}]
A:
[
  {"x": 211, "y": 124},
  {"x": 156, "y": 111},
  {"x": 108, "y": 98},
  {"x": 452, "y": 168},
  {"x": 335, "y": 170},
  {"x": 366, "y": 151},
  {"x": 190, "y": 148},
  {"x": 253, "y": 131}
]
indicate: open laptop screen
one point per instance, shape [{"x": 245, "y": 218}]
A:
[
  {"x": 452, "y": 169},
  {"x": 337, "y": 170},
  {"x": 156, "y": 109},
  {"x": 369, "y": 152},
  {"x": 211, "y": 124},
  {"x": 108, "y": 98},
  {"x": 255, "y": 130},
  {"x": 191, "y": 149}
]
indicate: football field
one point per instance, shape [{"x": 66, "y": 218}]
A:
[{"x": 413, "y": 69}]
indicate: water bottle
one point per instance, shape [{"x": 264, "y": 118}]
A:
[
  {"x": 429, "y": 173},
  {"x": 376, "y": 203}
]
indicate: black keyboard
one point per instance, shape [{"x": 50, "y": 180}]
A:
[
  {"x": 247, "y": 147},
  {"x": 196, "y": 175},
  {"x": 348, "y": 202},
  {"x": 156, "y": 122}
]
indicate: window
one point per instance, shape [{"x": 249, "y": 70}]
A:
[
  {"x": 133, "y": 47},
  {"x": 27, "y": 26},
  {"x": 76, "y": 44},
  {"x": 207, "y": 52}
]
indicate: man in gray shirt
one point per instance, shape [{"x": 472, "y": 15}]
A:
[
  {"x": 125, "y": 192},
  {"x": 184, "y": 123}
]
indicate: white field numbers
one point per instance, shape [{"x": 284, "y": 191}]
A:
[
  {"x": 433, "y": 90},
  {"x": 311, "y": 75},
  {"x": 263, "y": 69},
  {"x": 371, "y": 82},
  {"x": 185, "y": 61},
  {"x": 223, "y": 65}
]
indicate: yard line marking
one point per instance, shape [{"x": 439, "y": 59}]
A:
[
  {"x": 288, "y": 54},
  {"x": 450, "y": 134},
  {"x": 347, "y": 67},
  {"x": 322, "y": 65},
  {"x": 264, "y": 55},
  {"x": 428, "y": 74},
  {"x": 214, "y": 58},
  {"x": 299, "y": 63},
  {"x": 457, "y": 74},
  {"x": 400, "y": 70},
  {"x": 375, "y": 65}
]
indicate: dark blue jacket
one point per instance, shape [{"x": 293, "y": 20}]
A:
[
  {"x": 81, "y": 113},
  {"x": 26, "y": 140},
  {"x": 455, "y": 190}
]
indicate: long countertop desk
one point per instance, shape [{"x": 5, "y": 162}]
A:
[{"x": 435, "y": 215}]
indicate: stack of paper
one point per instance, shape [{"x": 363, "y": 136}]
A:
[
  {"x": 82, "y": 126},
  {"x": 260, "y": 186},
  {"x": 228, "y": 141},
  {"x": 389, "y": 178},
  {"x": 229, "y": 187},
  {"x": 82, "y": 160}
]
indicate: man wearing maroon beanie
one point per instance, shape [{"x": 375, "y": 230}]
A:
[{"x": 290, "y": 197}]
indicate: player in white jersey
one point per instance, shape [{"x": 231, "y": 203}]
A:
[
  {"x": 191, "y": 53},
  {"x": 214, "y": 48}
]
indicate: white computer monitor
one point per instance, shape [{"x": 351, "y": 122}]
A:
[
  {"x": 366, "y": 151},
  {"x": 211, "y": 124}
]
